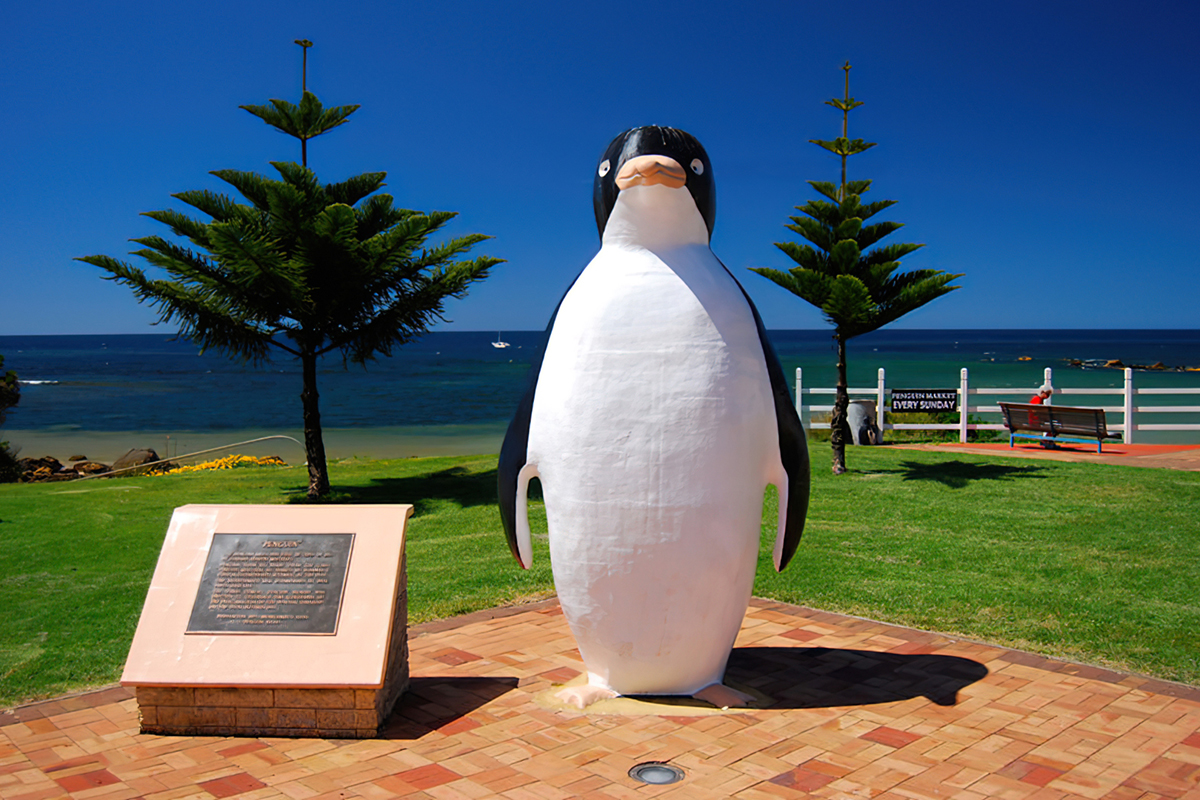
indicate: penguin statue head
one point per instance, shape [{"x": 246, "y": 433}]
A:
[{"x": 654, "y": 156}]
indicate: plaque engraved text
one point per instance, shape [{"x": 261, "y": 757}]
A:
[{"x": 272, "y": 583}]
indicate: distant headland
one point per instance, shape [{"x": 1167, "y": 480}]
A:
[{"x": 1116, "y": 363}]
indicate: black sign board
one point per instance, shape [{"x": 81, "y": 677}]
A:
[
  {"x": 924, "y": 400},
  {"x": 272, "y": 583}
]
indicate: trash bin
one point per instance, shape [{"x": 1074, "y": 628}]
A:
[{"x": 864, "y": 427}]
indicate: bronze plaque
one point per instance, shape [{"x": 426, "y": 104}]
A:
[{"x": 272, "y": 583}]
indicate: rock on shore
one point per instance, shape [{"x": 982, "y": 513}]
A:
[{"x": 49, "y": 468}]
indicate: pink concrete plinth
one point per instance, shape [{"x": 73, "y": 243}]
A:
[{"x": 341, "y": 684}]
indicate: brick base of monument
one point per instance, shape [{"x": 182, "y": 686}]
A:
[
  {"x": 325, "y": 713},
  {"x": 234, "y": 711}
]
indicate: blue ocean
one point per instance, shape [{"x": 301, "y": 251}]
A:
[{"x": 454, "y": 392}]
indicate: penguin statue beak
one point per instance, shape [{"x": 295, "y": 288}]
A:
[{"x": 651, "y": 170}]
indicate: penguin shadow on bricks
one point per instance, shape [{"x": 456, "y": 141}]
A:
[{"x": 821, "y": 677}]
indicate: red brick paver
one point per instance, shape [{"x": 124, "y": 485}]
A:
[{"x": 854, "y": 709}]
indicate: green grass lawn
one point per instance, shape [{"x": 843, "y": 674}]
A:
[{"x": 1095, "y": 563}]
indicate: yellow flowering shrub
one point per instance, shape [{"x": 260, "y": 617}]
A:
[{"x": 232, "y": 462}]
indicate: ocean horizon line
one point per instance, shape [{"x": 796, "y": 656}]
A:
[{"x": 489, "y": 331}]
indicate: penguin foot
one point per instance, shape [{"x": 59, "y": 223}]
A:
[
  {"x": 723, "y": 696},
  {"x": 583, "y": 696}
]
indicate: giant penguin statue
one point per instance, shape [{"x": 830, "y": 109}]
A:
[{"x": 655, "y": 421}]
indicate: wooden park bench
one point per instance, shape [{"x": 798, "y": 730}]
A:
[{"x": 1048, "y": 420}]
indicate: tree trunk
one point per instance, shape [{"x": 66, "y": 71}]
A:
[
  {"x": 839, "y": 431},
  {"x": 314, "y": 444}
]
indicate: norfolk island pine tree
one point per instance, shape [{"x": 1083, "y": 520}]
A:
[
  {"x": 858, "y": 290},
  {"x": 10, "y": 395},
  {"x": 304, "y": 267}
]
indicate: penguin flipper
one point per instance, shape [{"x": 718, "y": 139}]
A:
[
  {"x": 514, "y": 471},
  {"x": 793, "y": 452},
  {"x": 513, "y": 475},
  {"x": 793, "y": 449}
]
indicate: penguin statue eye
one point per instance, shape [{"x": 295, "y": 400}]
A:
[
  {"x": 697, "y": 166},
  {"x": 604, "y": 167}
]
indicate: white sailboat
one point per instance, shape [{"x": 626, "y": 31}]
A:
[{"x": 498, "y": 343}]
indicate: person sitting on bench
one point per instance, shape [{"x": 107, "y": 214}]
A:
[{"x": 1043, "y": 394}]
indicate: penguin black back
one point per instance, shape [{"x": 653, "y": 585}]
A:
[{"x": 655, "y": 140}]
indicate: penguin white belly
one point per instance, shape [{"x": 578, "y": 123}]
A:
[{"x": 653, "y": 432}]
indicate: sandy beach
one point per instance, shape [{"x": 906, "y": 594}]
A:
[{"x": 390, "y": 442}]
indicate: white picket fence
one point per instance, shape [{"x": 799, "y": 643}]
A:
[{"x": 1128, "y": 410}]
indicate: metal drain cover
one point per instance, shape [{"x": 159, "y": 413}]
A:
[{"x": 656, "y": 772}]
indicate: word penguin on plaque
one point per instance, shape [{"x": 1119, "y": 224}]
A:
[{"x": 274, "y": 621}]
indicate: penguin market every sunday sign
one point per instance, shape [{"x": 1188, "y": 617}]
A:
[{"x": 657, "y": 417}]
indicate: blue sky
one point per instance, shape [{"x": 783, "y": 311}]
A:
[{"x": 1046, "y": 150}]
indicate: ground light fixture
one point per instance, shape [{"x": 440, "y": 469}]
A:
[{"x": 656, "y": 772}]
